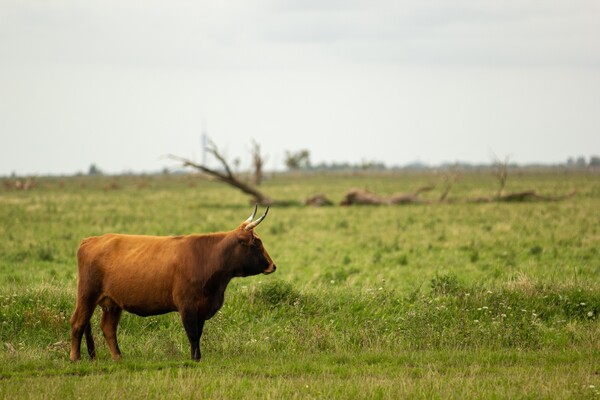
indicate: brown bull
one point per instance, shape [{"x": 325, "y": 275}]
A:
[{"x": 150, "y": 275}]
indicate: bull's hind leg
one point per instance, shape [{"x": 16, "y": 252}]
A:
[
  {"x": 80, "y": 322},
  {"x": 108, "y": 323},
  {"x": 89, "y": 341}
]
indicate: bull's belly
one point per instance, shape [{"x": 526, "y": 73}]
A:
[
  {"x": 145, "y": 312},
  {"x": 141, "y": 308}
]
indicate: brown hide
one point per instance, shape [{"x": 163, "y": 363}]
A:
[{"x": 150, "y": 275}]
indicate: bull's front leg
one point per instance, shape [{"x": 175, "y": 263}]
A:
[{"x": 193, "y": 325}]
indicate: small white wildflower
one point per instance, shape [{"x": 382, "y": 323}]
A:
[
  {"x": 479, "y": 309},
  {"x": 332, "y": 281},
  {"x": 484, "y": 307},
  {"x": 590, "y": 314},
  {"x": 476, "y": 321},
  {"x": 489, "y": 292},
  {"x": 582, "y": 304},
  {"x": 592, "y": 387},
  {"x": 380, "y": 288},
  {"x": 503, "y": 315},
  {"x": 523, "y": 310}
]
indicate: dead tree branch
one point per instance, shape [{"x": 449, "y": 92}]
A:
[
  {"x": 212, "y": 149},
  {"x": 226, "y": 177}
]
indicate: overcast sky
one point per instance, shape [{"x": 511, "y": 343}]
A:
[{"x": 122, "y": 83}]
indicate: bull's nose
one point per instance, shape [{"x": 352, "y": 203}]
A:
[{"x": 271, "y": 269}]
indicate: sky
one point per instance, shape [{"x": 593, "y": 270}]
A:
[{"x": 120, "y": 84}]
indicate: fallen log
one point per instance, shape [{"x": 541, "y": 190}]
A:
[
  {"x": 522, "y": 196},
  {"x": 318, "y": 200},
  {"x": 362, "y": 197},
  {"x": 365, "y": 197}
]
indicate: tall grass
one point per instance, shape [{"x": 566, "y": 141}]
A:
[{"x": 275, "y": 317}]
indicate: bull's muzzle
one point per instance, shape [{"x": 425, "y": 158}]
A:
[{"x": 270, "y": 270}]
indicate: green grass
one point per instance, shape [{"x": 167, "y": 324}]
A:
[
  {"x": 455, "y": 374},
  {"x": 449, "y": 300}
]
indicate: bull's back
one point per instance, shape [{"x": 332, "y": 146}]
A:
[{"x": 135, "y": 272}]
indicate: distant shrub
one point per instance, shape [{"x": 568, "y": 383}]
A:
[
  {"x": 340, "y": 274},
  {"x": 45, "y": 253},
  {"x": 403, "y": 259},
  {"x": 536, "y": 250},
  {"x": 276, "y": 293},
  {"x": 446, "y": 284},
  {"x": 474, "y": 256},
  {"x": 343, "y": 224}
]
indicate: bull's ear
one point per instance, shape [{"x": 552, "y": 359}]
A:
[{"x": 245, "y": 237}]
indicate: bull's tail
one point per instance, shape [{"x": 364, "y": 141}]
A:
[{"x": 89, "y": 340}]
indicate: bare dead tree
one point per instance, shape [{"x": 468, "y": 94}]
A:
[
  {"x": 450, "y": 179},
  {"x": 501, "y": 174},
  {"x": 258, "y": 161},
  {"x": 226, "y": 176}
]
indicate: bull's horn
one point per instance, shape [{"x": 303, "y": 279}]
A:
[
  {"x": 252, "y": 225},
  {"x": 253, "y": 214}
]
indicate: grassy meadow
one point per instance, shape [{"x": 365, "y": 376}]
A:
[{"x": 456, "y": 300}]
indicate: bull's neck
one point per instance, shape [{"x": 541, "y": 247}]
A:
[
  {"x": 226, "y": 250},
  {"x": 218, "y": 262}
]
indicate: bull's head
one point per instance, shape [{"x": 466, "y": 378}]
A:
[{"x": 254, "y": 258}]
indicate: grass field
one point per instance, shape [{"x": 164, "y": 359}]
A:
[{"x": 457, "y": 300}]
